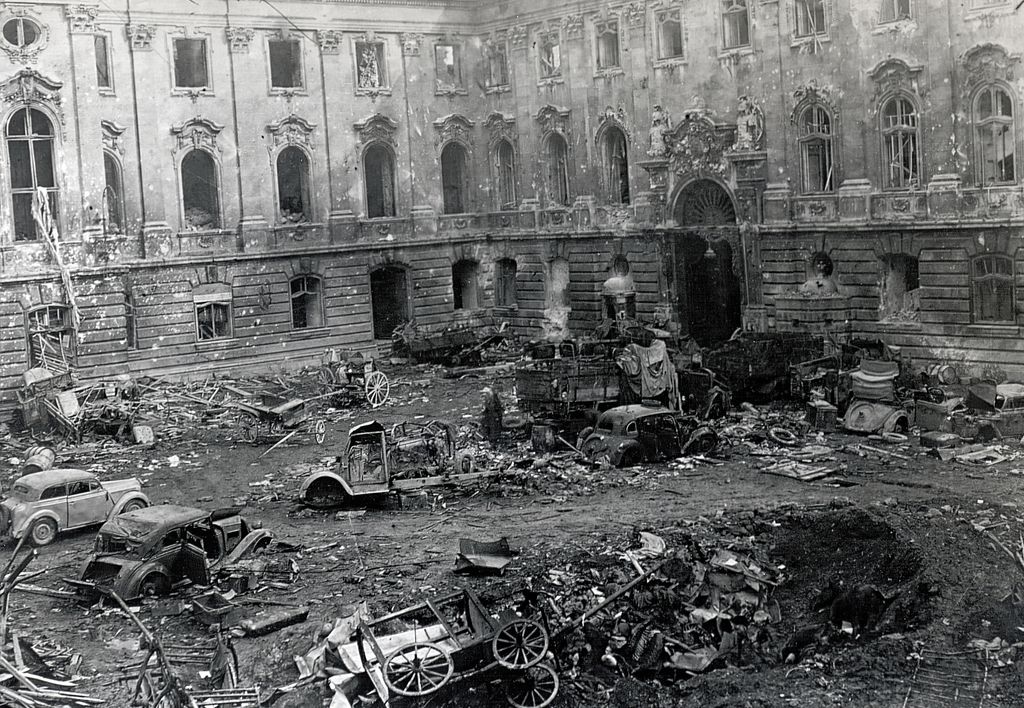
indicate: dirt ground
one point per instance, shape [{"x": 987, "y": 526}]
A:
[{"x": 914, "y": 528}]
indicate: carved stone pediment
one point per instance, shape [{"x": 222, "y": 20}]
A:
[
  {"x": 454, "y": 126},
  {"x": 894, "y": 75},
  {"x": 376, "y": 128},
  {"x": 987, "y": 62},
  {"x": 812, "y": 92},
  {"x": 28, "y": 86},
  {"x": 112, "y": 132},
  {"x": 500, "y": 127},
  {"x": 553, "y": 118},
  {"x": 291, "y": 130},
  {"x": 239, "y": 38},
  {"x": 197, "y": 133},
  {"x": 697, "y": 146}
]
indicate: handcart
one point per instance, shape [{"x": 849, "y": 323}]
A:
[
  {"x": 274, "y": 415},
  {"x": 353, "y": 375}
]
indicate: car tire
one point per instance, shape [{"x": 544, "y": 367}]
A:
[
  {"x": 630, "y": 458},
  {"x": 153, "y": 584},
  {"x": 133, "y": 505},
  {"x": 43, "y": 532}
]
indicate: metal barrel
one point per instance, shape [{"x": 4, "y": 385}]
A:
[
  {"x": 37, "y": 459},
  {"x": 943, "y": 374}
]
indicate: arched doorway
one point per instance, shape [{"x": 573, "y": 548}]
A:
[
  {"x": 707, "y": 286},
  {"x": 389, "y": 298}
]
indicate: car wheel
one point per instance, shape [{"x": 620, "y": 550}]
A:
[
  {"x": 630, "y": 457},
  {"x": 43, "y": 532},
  {"x": 152, "y": 585},
  {"x": 133, "y": 505}
]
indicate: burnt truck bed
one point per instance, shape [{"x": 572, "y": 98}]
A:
[{"x": 557, "y": 386}]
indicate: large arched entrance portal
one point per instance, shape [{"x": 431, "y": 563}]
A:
[{"x": 708, "y": 289}]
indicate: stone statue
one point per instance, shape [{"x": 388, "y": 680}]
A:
[
  {"x": 661, "y": 124},
  {"x": 749, "y": 125},
  {"x": 820, "y": 284},
  {"x": 369, "y": 71}
]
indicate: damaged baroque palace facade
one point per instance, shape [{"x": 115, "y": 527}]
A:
[{"x": 237, "y": 183}]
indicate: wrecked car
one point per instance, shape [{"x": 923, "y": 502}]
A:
[
  {"x": 43, "y": 504},
  {"x": 148, "y": 551},
  {"x": 377, "y": 463},
  {"x": 635, "y": 433},
  {"x": 992, "y": 411}
]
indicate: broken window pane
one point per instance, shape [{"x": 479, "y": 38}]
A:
[
  {"x": 113, "y": 196},
  {"x": 51, "y": 337},
  {"x": 378, "y": 175},
  {"x": 505, "y": 292},
  {"x": 464, "y": 284},
  {"x": 199, "y": 190},
  {"x": 285, "y": 63},
  {"x": 307, "y": 308},
  {"x": 810, "y": 17},
  {"x": 30, "y": 151},
  {"x": 557, "y": 170},
  {"x": 992, "y": 286},
  {"x": 816, "y": 150},
  {"x": 370, "y": 70},
  {"x": 995, "y": 136},
  {"x": 293, "y": 185},
  {"x": 550, "y": 56},
  {"x": 454, "y": 178},
  {"x": 447, "y": 66},
  {"x": 893, "y": 10},
  {"x": 899, "y": 134},
  {"x": 213, "y": 320},
  {"x": 190, "y": 63},
  {"x": 900, "y": 296},
  {"x": 616, "y": 166},
  {"x": 102, "y": 61}
]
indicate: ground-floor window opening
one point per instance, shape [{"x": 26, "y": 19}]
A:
[
  {"x": 901, "y": 294},
  {"x": 307, "y": 304},
  {"x": 389, "y": 297},
  {"x": 51, "y": 337},
  {"x": 465, "y": 275},
  {"x": 213, "y": 311},
  {"x": 505, "y": 292}
]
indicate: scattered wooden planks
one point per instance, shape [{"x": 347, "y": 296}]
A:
[{"x": 799, "y": 470}]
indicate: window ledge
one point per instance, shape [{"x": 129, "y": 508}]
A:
[
  {"x": 609, "y": 72},
  {"x": 551, "y": 81},
  {"x": 215, "y": 344},
  {"x": 373, "y": 92},
  {"x": 669, "y": 62},
  {"x": 503, "y": 88},
  {"x": 106, "y": 91},
  {"x": 450, "y": 91},
  {"x": 808, "y": 42},
  {"x": 192, "y": 92},
  {"x": 310, "y": 332},
  {"x": 907, "y": 25},
  {"x": 288, "y": 92},
  {"x": 734, "y": 54},
  {"x": 994, "y": 329},
  {"x": 900, "y": 324}
]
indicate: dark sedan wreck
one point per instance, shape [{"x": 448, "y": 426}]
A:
[
  {"x": 148, "y": 551},
  {"x": 629, "y": 435}
]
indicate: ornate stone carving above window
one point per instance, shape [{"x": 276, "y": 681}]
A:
[
  {"x": 371, "y": 66},
  {"x": 613, "y": 117},
  {"x": 553, "y": 119},
  {"x": 572, "y": 26},
  {"x": 894, "y": 75},
  {"x": 112, "y": 132},
  {"x": 411, "y": 42},
  {"x": 813, "y": 93},
  {"x": 29, "y": 87},
  {"x": 329, "y": 41},
  {"x": 82, "y": 18},
  {"x": 30, "y": 35},
  {"x": 140, "y": 36},
  {"x": 519, "y": 36},
  {"x": 635, "y": 14},
  {"x": 291, "y": 130},
  {"x": 697, "y": 146},
  {"x": 985, "y": 63},
  {"x": 239, "y": 39},
  {"x": 378, "y": 128},
  {"x": 454, "y": 127},
  {"x": 197, "y": 133},
  {"x": 500, "y": 127}
]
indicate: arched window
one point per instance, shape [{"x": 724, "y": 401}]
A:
[
  {"x": 293, "y": 186},
  {"x": 113, "y": 196},
  {"x": 465, "y": 294},
  {"x": 200, "y": 191},
  {"x": 557, "y": 168},
  {"x": 899, "y": 144},
  {"x": 995, "y": 135},
  {"x": 616, "y": 165},
  {"x": 379, "y": 175},
  {"x": 505, "y": 291},
  {"x": 307, "y": 302},
  {"x": 816, "y": 164},
  {"x": 454, "y": 178},
  {"x": 505, "y": 172},
  {"x": 992, "y": 288},
  {"x": 30, "y": 150}
]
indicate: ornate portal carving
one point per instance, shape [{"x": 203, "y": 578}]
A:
[
  {"x": 197, "y": 133},
  {"x": 376, "y": 128},
  {"x": 291, "y": 130},
  {"x": 697, "y": 147},
  {"x": 454, "y": 127}
]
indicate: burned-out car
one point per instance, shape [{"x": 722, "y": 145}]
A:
[
  {"x": 629, "y": 435},
  {"x": 43, "y": 504},
  {"x": 378, "y": 462},
  {"x": 148, "y": 551},
  {"x": 990, "y": 412}
]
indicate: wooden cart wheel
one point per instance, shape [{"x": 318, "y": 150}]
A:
[
  {"x": 418, "y": 669},
  {"x": 534, "y": 688},
  {"x": 320, "y": 432},
  {"x": 377, "y": 388},
  {"x": 328, "y": 379},
  {"x": 520, "y": 644},
  {"x": 250, "y": 428}
]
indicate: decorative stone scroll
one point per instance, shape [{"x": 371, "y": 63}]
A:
[
  {"x": 895, "y": 75},
  {"x": 140, "y": 36},
  {"x": 988, "y": 62},
  {"x": 377, "y": 128},
  {"x": 239, "y": 39},
  {"x": 500, "y": 127},
  {"x": 197, "y": 133},
  {"x": 454, "y": 127},
  {"x": 572, "y": 26},
  {"x": 329, "y": 41},
  {"x": 553, "y": 119},
  {"x": 291, "y": 130},
  {"x": 82, "y": 18},
  {"x": 112, "y": 132}
]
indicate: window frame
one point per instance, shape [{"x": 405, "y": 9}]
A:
[
  {"x": 64, "y": 330},
  {"x": 469, "y": 271},
  {"x": 506, "y": 290},
  {"x": 662, "y": 18},
  {"x": 213, "y": 295},
  {"x": 543, "y": 44},
  {"x": 464, "y": 178},
  {"x": 603, "y": 28},
  {"x": 306, "y": 187},
  {"x": 306, "y": 278},
  {"x": 219, "y": 215},
  {"x": 991, "y": 276},
  {"x": 458, "y": 86},
  {"x": 20, "y": 44},
  {"x": 730, "y": 11},
  {"x": 978, "y": 124},
  {"x": 494, "y": 49},
  {"x": 888, "y": 133},
  {"x": 802, "y": 14},
  {"x": 273, "y": 89},
  {"x": 207, "y": 88},
  {"x": 119, "y": 170},
  {"x": 107, "y": 89},
  {"x": 381, "y": 51},
  {"x": 891, "y": 5},
  {"x": 549, "y": 177},
  {"x": 392, "y": 160},
  {"x": 609, "y": 140},
  {"x": 31, "y": 138},
  {"x": 826, "y": 139},
  {"x": 505, "y": 176}
]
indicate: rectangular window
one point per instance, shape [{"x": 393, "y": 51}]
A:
[
  {"x": 190, "y": 66},
  {"x": 505, "y": 294},
  {"x": 131, "y": 333},
  {"x": 103, "y": 79},
  {"x": 213, "y": 320},
  {"x": 51, "y": 337},
  {"x": 370, "y": 69},
  {"x": 285, "y": 63},
  {"x": 608, "y": 44},
  {"x": 810, "y": 17},
  {"x": 817, "y": 159},
  {"x": 497, "y": 65},
  {"x": 894, "y": 10},
  {"x": 550, "y": 56},
  {"x": 670, "y": 34},
  {"x": 307, "y": 310},
  {"x": 993, "y": 289},
  {"x": 735, "y": 24},
  {"x": 448, "y": 66}
]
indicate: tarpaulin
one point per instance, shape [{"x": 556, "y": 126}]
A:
[{"x": 648, "y": 370}]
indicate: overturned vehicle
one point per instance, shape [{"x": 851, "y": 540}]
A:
[{"x": 378, "y": 462}]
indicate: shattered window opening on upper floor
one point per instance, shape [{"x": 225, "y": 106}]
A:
[
  {"x": 448, "y": 66},
  {"x": 810, "y": 17},
  {"x": 550, "y": 55},
  {"x": 200, "y": 191},
  {"x": 735, "y": 24},
  {"x": 293, "y": 192},
  {"x": 607, "y": 44},
  {"x": 285, "y": 63},
  {"x": 894, "y": 11},
  {"x": 30, "y": 149},
  {"x": 190, "y": 64},
  {"x": 379, "y": 181},
  {"x": 670, "y": 34},
  {"x": 505, "y": 174}
]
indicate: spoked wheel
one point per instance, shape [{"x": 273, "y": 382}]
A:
[
  {"x": 328, "y": 379},
  {"x": 377, "y": 388},
  {"x": 418, "y": 669},
  {"x": 250, "y": 429},
  {"x": 520, "y": 644},
  {"x": 320, "y": 432},
  {"x": 534, "y": 688}
]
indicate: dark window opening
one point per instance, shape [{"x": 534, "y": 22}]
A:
[
  {"x": 899, "y": 136},
  {"x": 454, "y": 178},
  {"x": 307, "y": 305},
  {"x": 379, "y": 176},
  {"x": 670, "y": 35},
  {"x": 213, "y": 320},
  {"x": 894, "y": 10},
  {"x": 992, "y": 288},
  {"x": 557, "y": 170},
  {"x": 293, "y": 186},
  {"x": 113, "y": 196},
  {"x": 816, "y": 150},
  {"x": 505, "y": 291},
  {"x": 21, "y": 32},
  {"x": 389, "y": 297},
  {"x": 102, "y": 61},
  {"x": 505, "y": 169},
  {"x": 464, "y": 284},
  {"x": 995, "y": 136},
  {"x": 608, "y": 44},
  {"x": 200, "y": 191},
  {"x": 51, "y": 337},
  {"x": 901, "y": 295},
  {"x": 497, "y": 65},
  {"x": 30, "y": 149},
  {"x": 190, "y": 70},
  {"x": 550, "y": 56},
  {"x": 447, "y": 66},
  {"x": 131, "y": 334},
  {"x": 285, "y": 63},
  {"x": 616, "y": 166},
  {"x": 735, "y": 24}
]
